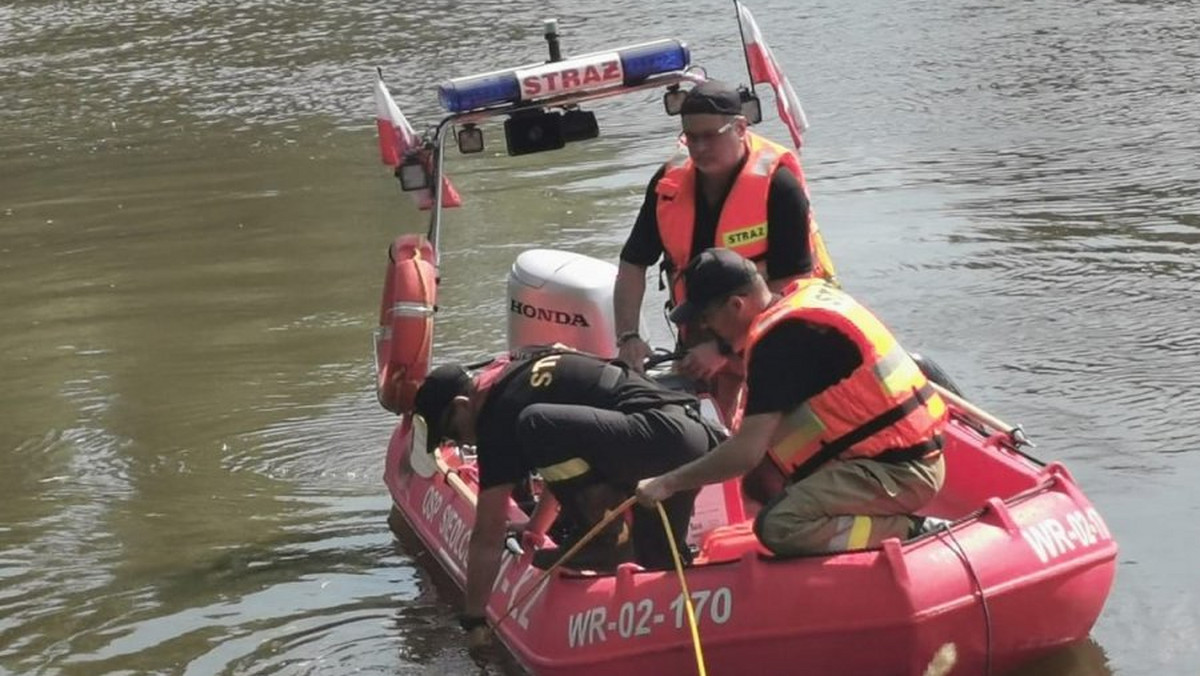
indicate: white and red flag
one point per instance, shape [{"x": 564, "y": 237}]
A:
[
  {"x": 764, "y": 69},
  {"x": 397, "y": 138}
]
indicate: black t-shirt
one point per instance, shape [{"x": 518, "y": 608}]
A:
[
  {"x": 787, "y": 254},
  {"x": 794, "y": 361},
  {"x": 555, "y": 379}
]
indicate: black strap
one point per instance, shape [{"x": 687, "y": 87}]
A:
[
  {"x": 863, "y": 432},
  {"x": 665, "y": 270},
  {"x": 909, "y": 453},
  {"x": 610, "y": 374}
]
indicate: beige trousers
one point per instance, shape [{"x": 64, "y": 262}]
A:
[{"x": 848, "y": 504}]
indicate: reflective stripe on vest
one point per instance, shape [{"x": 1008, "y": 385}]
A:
[
  {"x": 886, "y": 405},
  {"x": 742, "y": 225}
]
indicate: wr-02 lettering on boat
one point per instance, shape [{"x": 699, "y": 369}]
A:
[
  {"x": 1053, "y": 537},
  {"x": 548, "y": 314},
  {"x": 587, "y": 627},
  {"x": 634, "y": 619}
]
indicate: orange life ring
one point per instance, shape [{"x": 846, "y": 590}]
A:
[{"x": 404, "y": 339}]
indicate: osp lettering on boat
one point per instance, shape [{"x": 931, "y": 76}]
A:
[
  {"x": 571, "y": 75},
  {"x": 450, "y": 527},
  {"x": 455, "y": 534},
  {"x": 431, "y": 503},
  {"x": 548, "y": 314},
  {"x": 634, "y": 619},
  {"x": 1050, "y": 538}
]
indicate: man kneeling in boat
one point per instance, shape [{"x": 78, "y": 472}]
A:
[
  {"x": 831, "y": 396},
  {"x": 590, "y": 427}
]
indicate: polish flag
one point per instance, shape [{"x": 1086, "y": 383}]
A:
[
  {"x": 765, "y": 70},
  {"x": 397, "y": 137}
]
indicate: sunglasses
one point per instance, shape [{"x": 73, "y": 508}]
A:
[{"x": 707, "y": 136}]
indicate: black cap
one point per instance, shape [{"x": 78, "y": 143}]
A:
[
  {"x": 712, "y": 97},
  {"x": 441, "y": 386},
  {"x": 710, "y": 276}
]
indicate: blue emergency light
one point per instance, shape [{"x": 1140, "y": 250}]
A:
[
  {"x": 651, "y": 58},
  {"x": 479, "y": 91},
  {"x": 638, "y": 62}
]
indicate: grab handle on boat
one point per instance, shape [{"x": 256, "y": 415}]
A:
[{"x": 453, "y": 479}]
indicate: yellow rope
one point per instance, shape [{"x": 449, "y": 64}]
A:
[{"x": 687, "y": 597}]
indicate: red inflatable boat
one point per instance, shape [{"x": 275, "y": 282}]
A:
[{"x": 1025, "y": 567}]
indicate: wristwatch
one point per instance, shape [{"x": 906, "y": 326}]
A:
[
  {"x": 626, "y": 337},
  {"x": 469, "y": 622}
]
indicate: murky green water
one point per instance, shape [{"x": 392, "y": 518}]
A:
[{"x": 193, "y": 224}]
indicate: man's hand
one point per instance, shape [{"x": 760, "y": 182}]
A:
[
  {"x": 633, "y": 351},
  {"x": 480, "y": 646},
  {"x": 702, "y": 361},
  {"x": 652, "y": 491}
]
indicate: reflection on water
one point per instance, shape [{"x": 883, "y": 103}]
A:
[
  {"x": 1085, "y": 658},
  {"x": 194, "y": 230}
]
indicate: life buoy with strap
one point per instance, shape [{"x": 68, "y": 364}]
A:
[{"x": 404, "y": 339}]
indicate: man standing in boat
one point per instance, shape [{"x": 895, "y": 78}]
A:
[
  {"x": 731, "y": 188},
  {"x": 833, "y": 400},
  {"x": 590, "y": 427}
]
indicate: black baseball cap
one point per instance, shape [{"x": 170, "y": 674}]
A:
[
  {"x": 441, "y": 386},
  {"x": 709, "y": 277},
  {"x": 712, "y": 97}
]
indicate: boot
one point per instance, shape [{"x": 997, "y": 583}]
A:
[
  {"x": 609, "y": 548},
  {"x": 651, "y": 543},
  {"x": 923, "y": 525}
]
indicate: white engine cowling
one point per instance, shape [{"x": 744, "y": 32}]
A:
[{"x": 561, "y": 297}]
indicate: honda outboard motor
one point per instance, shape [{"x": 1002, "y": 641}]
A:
[{"x": 561, "y": 297}]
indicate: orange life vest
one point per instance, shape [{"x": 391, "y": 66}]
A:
[
  {"x": 885, "y": 407},
  {"x": 742, "y": 225}
]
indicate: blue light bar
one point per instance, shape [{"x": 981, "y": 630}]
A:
[
  {"x": 479, "y": 91},
  {"x": 661, "y": 56},
  {"x": 558, "y": 78}
]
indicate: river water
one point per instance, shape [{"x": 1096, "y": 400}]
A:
[{"x": 193, "y": 225}]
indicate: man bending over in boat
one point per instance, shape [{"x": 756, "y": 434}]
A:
[
  {"x": 730, "y": 188},
  {"x": 846, "y": 414},
  {"x": 590, "y": 427}
]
